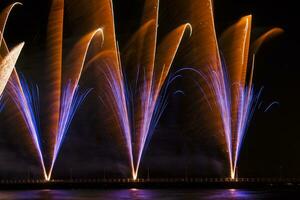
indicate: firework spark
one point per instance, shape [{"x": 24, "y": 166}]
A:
[
  {"x": 7, "y": 59},
  {"x": 135, "y": 82},
  {"x": 7, "y": 65},
  {"x": 223, "y": 81},
  {"x": 235, "y": 46},
  {"x": 136, "y": 105},
  {"x": 63, "y": 104},
  {"x": 23, "y": 95},
  {"x": 71, "y": 96},
  {"x": 26, "y": 98}
]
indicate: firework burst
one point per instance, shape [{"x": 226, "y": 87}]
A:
[
  {"x": 62, "y": 104},
  {"x": 136, "y": 104},
  {"x": 222, "y": 68}
]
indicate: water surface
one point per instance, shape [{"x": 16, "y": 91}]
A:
[{"x": 150, "y": 194}]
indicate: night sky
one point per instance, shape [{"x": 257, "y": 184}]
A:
[{"x": 181, "y": 145}]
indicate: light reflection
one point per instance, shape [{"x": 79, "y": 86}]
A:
[{"x": 143, "y": 194}]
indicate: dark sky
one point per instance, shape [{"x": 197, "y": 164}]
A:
[{"x": 271, "y": 146}]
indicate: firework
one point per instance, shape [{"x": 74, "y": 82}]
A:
[
  {"x": 7, "y": 65},
  {"x": 25, "y": 96},
  {"x": 134, "y": 83},
  {"x": 62, "y": 104},
  {"x": 8, "y": 58},
  {"x": 222, "y": 68},
  {"x": 136, "y": 104}
]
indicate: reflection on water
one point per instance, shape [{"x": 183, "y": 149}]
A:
[{"x": 150, "y": 194}]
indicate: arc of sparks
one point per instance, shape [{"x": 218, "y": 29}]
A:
[
  {"x": 7, "y": 65},
  {"x": 54, "y": 72},
  {"x": 164, "y": 57},
  {"x": 71, "y": 96},
  {"x": 64, "y": 95},
  {"x": 24, "y": 96},
  {"x": 241, "y": 98},
  {"x": 7, "y": 61},
  {"x": 248, "y": 99},
  {"x": 234, "y": 43},
  {"x": 225, "y": 83},
  {"x": 136, "y": 105},
  {"x": 26, "y": 99},
  {"x": 63, "y": 104},
  {"x": 4, "y": 17}
]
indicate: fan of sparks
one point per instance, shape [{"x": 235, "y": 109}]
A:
[
  {"x": 221, "y": 67},
  {"x": 133, "y": 83}
]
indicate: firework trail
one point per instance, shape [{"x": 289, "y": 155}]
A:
[
  {"x": 136, "y": 104},
  {"x": 26, "y": 98},
  {"x": 7, "y": 59},
  {"x": 271, "y": 105},
  {"x": 23, "y": 95},
  {"x": 235, "y": 46},
  {"x": 64, "y": 96},
  {"x": 7, "y": 65},
  {"x": 135, "y": 82},
  {"x": 71, "y": 96},
  {"x": 222, "y": 68}
]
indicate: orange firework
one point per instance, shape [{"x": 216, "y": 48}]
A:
[
  {"x": 7, "y": 59},
  {"x": 63, "y": 97},
  {"x": 15, "y": 87},
  {"x": 133, "y": 81},
  {"x": 228, "y": 91}
]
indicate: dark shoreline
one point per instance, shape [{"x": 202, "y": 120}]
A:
[{"x": 205, "y": 183}]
